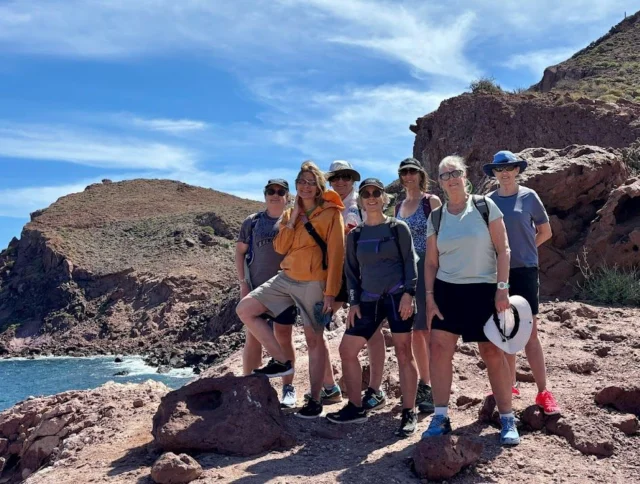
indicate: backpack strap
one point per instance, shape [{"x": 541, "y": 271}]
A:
[
  {"x": 436, "y": 218},
  {"x": 254, "y": 221},
  {"x": 397, "y": 208},
  {"x": 480, "y": 203},
  {"x": 321, "y": 243},
  {"x": 396, "y": 236},
  {"x": 426, "y": 205}
]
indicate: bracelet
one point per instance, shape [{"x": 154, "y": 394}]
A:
[{"x": 429, "y": 292}]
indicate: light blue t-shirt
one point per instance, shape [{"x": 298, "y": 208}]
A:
[
  {"x": 522, "y": 213},
  {"x": 466, "y": 252}
]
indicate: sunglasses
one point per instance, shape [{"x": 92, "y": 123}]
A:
[
  {"x": 303, "y": 182},
  {"x": 499, "y": 169},
  {"x": 408, "y": 171},
  {"x": 367, "y": 194},
  {"x": 342, "y": 176},
  {"x": 272, "y": 191},
  {"x": 448, "y": 174}
]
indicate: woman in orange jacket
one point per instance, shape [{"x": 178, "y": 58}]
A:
[{"x": 311, "y": 238}]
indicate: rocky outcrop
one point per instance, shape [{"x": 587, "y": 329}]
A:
[
  {"x": 621, "y": 398},
  {"x": 227, "y": 415},
  {"x": 444, "y": 456},
  {"x": 175, "y": 469}
]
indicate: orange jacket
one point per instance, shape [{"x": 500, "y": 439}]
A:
[{"x": 303, "y": 256}]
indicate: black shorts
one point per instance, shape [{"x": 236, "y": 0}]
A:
[
  {"x": 342, "y": 295},
  {"x": 288, "y": 316},
  {"x": 374, "y": 312},
  {"x": 523, "y": 281},
  {"x": 465, "y": 308}
]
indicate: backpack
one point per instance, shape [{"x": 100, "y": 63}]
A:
[
  {"x": 254, "y": 221},
  {"x": 480, "y": 203},
  {"x": 394, "y": 231},
  {"x": 426, "y": 206}
]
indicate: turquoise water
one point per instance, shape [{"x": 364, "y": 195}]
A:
[{"x": 20, "y": 378}]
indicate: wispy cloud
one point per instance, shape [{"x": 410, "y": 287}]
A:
[
  {"x": 74, "y": 145},
  {"x": 20, "y": 202},
  {"x": 537, "y": 61},
  {"x": 170, "y": 126}
]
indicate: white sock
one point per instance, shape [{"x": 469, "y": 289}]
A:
[
  {"x": 507, "y": 415},
  {"x": 444, "y": 411}
]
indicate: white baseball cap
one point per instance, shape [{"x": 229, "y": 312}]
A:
[
  {"x": 341, "y": 165},
  {"x": 510, "y": 330}
]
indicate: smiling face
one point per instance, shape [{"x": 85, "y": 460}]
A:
[
  {"x": 273, "y": 198},
  {"x": 453, "y": 185},
  {"x": 410, "y": 177},
  {"x": 306, "y": 186},
  {"x": 507, "y": 178},
  {"x": 342, "y": 183},
  {"x": 371, "y": 199}
]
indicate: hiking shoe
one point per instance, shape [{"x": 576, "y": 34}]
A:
[
  {"x": 275, "y": 369},
  {"x": 348, "y": 414},
  {"x": 439, "y": 425},
  {"x": 288, "y": 396},
  {"x": 426, "y": 404},
  {"x": 515, "y": 392},
  {"x": 408, "y": 424},
  {"x": 509, "y": 432},
  {"x": 311, "y": 409},
  {"x": 548, "y": 404},
  {"x": 332, "y": 395},
  {"x": 373, "y": 399}
]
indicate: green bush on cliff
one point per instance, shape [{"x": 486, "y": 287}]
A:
[{"x": 485, "y": 85}]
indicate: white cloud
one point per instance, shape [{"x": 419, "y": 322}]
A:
[
  {"x": 20, "y": 202},
  {"x": 73, "y": 145},
  {"x": 170, "y": 126},
  {"x": 537, "y": 61}
]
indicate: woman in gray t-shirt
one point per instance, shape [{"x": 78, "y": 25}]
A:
[{"x": 466, "y": 273}]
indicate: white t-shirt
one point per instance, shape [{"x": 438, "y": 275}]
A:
[
  {"x": 466, "y": 252},
  {"x": 351, "y": 213}
]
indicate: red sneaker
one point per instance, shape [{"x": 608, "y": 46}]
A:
[
  {"x": 515, "y": 392},
  {"x": 548, "y": 404}
]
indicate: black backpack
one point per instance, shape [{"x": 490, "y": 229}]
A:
[
  {"x": 394, "y": 231},
  {"x": 480, "y": 203},
  {"x": 254, "y": 221}
]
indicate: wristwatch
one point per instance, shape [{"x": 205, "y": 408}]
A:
[{"x": 503, "y": 285}]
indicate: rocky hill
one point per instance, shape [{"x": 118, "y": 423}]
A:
[{"x": 141, "y": 266}]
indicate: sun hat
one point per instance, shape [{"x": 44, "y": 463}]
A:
[
  {"x": 371, "y": 182},
  {"x": 278, "y": 181},
  {"x": 510, "y": 330},
  {"x": 341, "y": 165},
  {"x": 410, "y": 163},
  {"x": 504, "y": 158}
]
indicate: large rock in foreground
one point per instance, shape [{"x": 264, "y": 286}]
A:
[
  {"x": 229, "y": 415},
  {"x": 444, "y": 456},
  {"x": 175, "y": 469}
]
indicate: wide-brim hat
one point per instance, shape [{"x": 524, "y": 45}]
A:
[
  {"x": 510, "y": 330},
  {"x": 340, "y": 166},
  {"x": 504, "y": 158}
]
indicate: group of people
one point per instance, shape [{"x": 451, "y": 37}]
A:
[{"x": 433, "y": 271}]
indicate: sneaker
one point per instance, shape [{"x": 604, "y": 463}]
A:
[
  {"x": 548, "y": 404},
  {"x": 332, "y": 395},
  {"x": 408, "y": 424},
  {"x": 275, "y": 369},
  {"x": 288, "y": 396},
  {"x": 509, "y": 432},
  {"x": 311, "y": 409},
  {"x": 348, "y": 414},
  {"x": 515, "y": 392},
  {"x": 426, "y": 405},
  {"x": 439, "y": 425},
  {"x": 373, "y": 399}
]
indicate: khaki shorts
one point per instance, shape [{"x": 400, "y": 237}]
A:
[{"x": 280, "y": 292}]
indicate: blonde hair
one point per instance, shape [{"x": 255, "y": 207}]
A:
[
  {"x": 457, "y": 162},
  {"x": 310, "y": 167}
]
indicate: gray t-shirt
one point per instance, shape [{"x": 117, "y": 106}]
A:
[
  {"x": 522, "y": 212},
  {"x": 375, "y": 266},
  {"x": 466, "y": 252},
  {"x": 266, "y": 261}
]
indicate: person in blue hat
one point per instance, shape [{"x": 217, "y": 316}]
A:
[{"x": 528, "y": 227}]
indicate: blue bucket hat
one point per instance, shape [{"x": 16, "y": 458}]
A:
[{"x": 504, "y": 158}]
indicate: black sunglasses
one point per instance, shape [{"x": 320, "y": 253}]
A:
[
  {"x": 272, "y": 191},
  {"x": 406, "y": 171},
  {"x": 375, "y": 194},
  {"x": 448, "y": 174},
  {"x": 498, "y": 169},
  {"x": 341, "y": 176}
]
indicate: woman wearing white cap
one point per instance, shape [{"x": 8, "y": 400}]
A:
[{"x": 528, "y": 227}]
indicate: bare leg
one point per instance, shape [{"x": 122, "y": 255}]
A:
[
  {"x": 535, "y": 356},
  {"x": 511, "y": 363},
  {"x": 317, "y": 360},
  {"x": 443, "y": 345},
  {"x": 284, "y": 335},
  {"x": 377, "y": 357},
  {"x": 499, "y": 375},
  {"x": 421, "y": 339},
  {"x": 249, "y": 311},
  {"x": 408, "y": 370},
  {"x": 328, "y": 380},
  {"x": 350, "y": 346},
  {"x": 251, "y": 354}
]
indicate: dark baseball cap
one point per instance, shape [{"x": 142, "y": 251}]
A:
[
  {"x": 371, "y": 182},
  {"x": 278, "y": 181},
  {"x": 410, "y": 163}
]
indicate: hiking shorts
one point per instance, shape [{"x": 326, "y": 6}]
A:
[
  {"x": 281, "y": 292},
  {"x": 523, "y": 281},
  {"x": 342, "y": 295},
  {"x": 465, "y": 309},
  {"x": 288, "y": 317},
  {"x": 421, "y": 297},
  {"x": 374, "y": 312}
]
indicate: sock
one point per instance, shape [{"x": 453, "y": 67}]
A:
[
  {"x": 444, "y": 411},
  {"x": 507, "y": 415},
  {"x": 329, "y": 386}
]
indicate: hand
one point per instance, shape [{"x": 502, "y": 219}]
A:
[
  {"x": 328, "y": 304},
  {"x": 354, "y": 312},
  {"x": 295, "y": 213},
  {"x": 406, "y": 308},
  {"x": 502, "y": 300},
  {"x": 432, "y": 310},
  {"x": 244, "y": 289}
]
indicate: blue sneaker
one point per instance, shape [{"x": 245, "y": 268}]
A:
[
  {"x": 440, "y": 425},
  {"x": 509, "y": 432}
]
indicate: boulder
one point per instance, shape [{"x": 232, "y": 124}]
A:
[
  {"x": 229, "y": 415},
  {"x": 584, "y": 367},
  {"x": 444, "y": 456},
  {"x": 583, "y": 435},
  {"x": 488, "y": 412},
  {"x": 533, "y": 418},
  {"x": 175, "y": 469},
  {"x": 38, "y": 452},
  {"x": 623, "y": 399},
  {"x": 627, "y": 423}
]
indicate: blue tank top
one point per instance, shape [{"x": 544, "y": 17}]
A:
[{"x": 417, "y": 223}]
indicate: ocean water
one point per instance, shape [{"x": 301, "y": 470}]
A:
[{"x": 21, "y": 377}]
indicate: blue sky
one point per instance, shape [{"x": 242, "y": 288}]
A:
[{"x": 228, "y": 93}]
